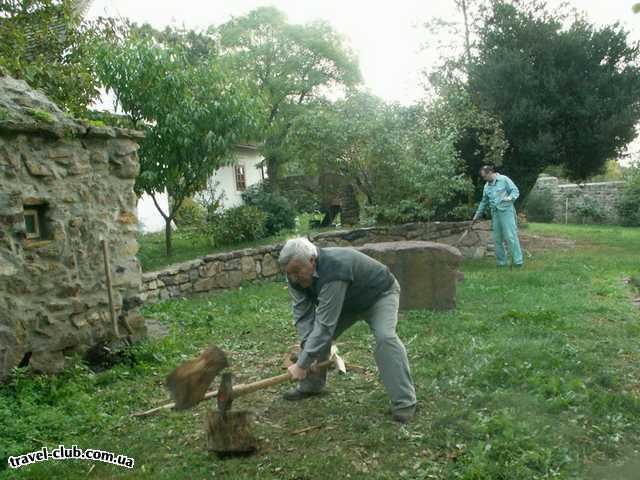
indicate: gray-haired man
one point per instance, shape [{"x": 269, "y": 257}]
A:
[{"x": 331, "y": 289}]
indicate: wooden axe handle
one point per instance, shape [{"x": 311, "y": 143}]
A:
[
  {"x": 244, "y": 389},
  {"x": 239, "y": 390}
]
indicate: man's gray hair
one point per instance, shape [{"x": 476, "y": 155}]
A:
[{"x": 299, "y": 247}]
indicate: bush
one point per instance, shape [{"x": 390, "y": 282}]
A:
[
  {"x": 589, "y": 210},
  {"x": 279, "y": 212},
  {"x": 190, "y": 215},
  {"x": 628, "y": 205},
  {"x": 245, "y": 223},
  {"x": 539, "y": 207}
]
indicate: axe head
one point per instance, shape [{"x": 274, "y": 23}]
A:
[{"x": 189, "y": 382}]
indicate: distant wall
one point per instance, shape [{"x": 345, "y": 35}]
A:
[
  {"x": 228, "y": 270},
  {"x": 568, "y": 197}
]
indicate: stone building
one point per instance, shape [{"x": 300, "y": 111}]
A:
[{"x": 64, "y": 186}]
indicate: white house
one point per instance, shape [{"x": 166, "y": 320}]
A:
[
  {"x": 229, "y": 182},
  {"x": 232, "y": 180}
]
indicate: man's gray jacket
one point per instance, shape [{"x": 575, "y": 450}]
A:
[{"x": 345, "y": 281}]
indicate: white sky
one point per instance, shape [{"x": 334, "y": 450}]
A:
[{"x": 386, "y": 35}]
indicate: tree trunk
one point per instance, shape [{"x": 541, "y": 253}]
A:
[
  {"x": 350, "y": 208},
  {"x": 273, "y": 168},
  {"x": 167, "y": 235}
]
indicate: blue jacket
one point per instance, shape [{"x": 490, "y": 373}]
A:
[{"x": 498, "y": 195}]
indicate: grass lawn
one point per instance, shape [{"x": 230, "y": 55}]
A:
[{"x": 535, "y": 375}]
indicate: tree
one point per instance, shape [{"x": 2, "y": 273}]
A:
[
  {"x": 480, "y": 138},
  {"x": 193, "y": 110},
  {"x": 290, "y": 66},
  {"x": 47, "y": 44},
  {"x": 402, "y": 159},
  {"x": 567, "y": 93}
]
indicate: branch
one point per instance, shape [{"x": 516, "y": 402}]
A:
[{"x": 155, "y": 202}]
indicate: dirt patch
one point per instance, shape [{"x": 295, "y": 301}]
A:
[
  {"x": 537, "y": 243},
  {"x": 155, "y": 329}
]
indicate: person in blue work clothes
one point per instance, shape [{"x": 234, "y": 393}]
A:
[{"x": 499, "y": 194}]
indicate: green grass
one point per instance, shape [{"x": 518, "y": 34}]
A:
[{"x": 534, "y": 376}]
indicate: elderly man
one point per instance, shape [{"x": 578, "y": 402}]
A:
[
  {"x": 332, "y": 288},
  {"x": 499, "y": 194}
]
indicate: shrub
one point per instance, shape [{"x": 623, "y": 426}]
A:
[
  {"x": 190, "y": 215},
  {"x": 539, "y": 207},
  {"x": 279, "y": 212},
  {"x": 628, "y": 205},
  {"x": 589, "y": 210},
  {"x": 244, "y": 223}
]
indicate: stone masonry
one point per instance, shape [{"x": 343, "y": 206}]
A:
[
  {"x": 566, "y": 196},
  {"x": 229, "y": 270},
  {"x": 64, "y": 185}
]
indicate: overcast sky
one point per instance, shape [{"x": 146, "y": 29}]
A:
[{"x": 386, "y": 35}]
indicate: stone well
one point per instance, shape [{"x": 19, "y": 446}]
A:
[
  {"x": 64, "y": 185},
  {"x": 427, "y": 271}
]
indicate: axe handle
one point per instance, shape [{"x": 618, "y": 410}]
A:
[
  {"x": 239, "y": 390},
  {"x": 247, "y": 388}
]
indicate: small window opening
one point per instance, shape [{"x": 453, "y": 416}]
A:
[{"x": 36, "y": 221}]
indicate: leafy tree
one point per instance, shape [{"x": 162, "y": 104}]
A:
[
  {"x": 280, "y": 213},
  {"x": 48, "y": 44},
  {"x": 567, "y": 93},
  {"x": 194, "y": 112},
  {"x": 290, "y": 66},
  {"x": 402, "y": 159},
  {"x": 480, "y": 139}
]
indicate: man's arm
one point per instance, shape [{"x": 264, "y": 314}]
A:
[
  {"x": 327, "y": 313},
  {"x": 483, "y": 204},
  {"x": 302, "y": 306},
  {"x": 512, "y": 191}
]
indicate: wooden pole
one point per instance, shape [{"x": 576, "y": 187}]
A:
[{"x": 107, "y": 269}]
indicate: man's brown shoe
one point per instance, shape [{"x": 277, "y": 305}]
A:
[
  {"x": 404, "y": 415},
  {"x": 295, "y": 395}
]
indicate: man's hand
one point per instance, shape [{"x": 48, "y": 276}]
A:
[{"x": 296, "y": 372}]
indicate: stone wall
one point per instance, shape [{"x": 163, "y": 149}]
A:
[
  {"x": 229, "y": 270},
  {"x": 64, "y": 185},
  {"x": 565, "y": 197}
]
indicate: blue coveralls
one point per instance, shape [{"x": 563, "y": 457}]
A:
[{"x": 499, "y": 195}]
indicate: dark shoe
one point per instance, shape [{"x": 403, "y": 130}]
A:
[
  {"x": 404, "y": 415},
  {"x": 295, "y": 395}
]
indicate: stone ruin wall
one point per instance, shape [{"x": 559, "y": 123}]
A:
[
  {"x": 79, "y": 179},
  {"x": 221, "y": 271},
  {"x": 563, "y": 195}
]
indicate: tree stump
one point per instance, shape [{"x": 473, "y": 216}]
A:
[{"x": 230, "y": 435}]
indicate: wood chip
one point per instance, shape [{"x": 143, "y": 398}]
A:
[{"x": 306, "y": 429}]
